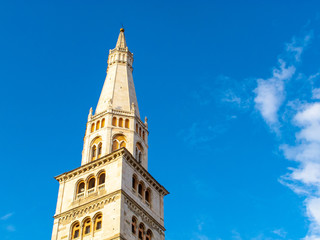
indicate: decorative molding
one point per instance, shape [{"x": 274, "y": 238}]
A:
[
  {"x": 114, "y": 156},
  {"x": 138, "y": 210},
  {"x": 77, "y": 212}
]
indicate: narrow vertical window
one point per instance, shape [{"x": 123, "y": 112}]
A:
[
  {"x": 98, "y": 223},
  {"x": 102, "y": 178},
  {"x": 87, "y": 227},
  {"x": 93, "y": 152},
  {"x": 137, "y": 128},
  {"x": 75, "y": 231},
  {"x": 127, "y": 123},
  {"x": 134, "y": 225},
  {"x": 141, "y": 231},
  {"x": 92, "y": 127},
  {"x": 99, "y": 150},
  {"x": 149, "y": 235},
  {"x": 114, "y": 121},
  {"x": 115, "y": 145},
  {"x": 134, "y": 182},
  {"x": 98, "y": 125},
  {"x": 147, "y": 195},
  {"x": 80, "y": 188},
  {"x": 120, "y": 122},
  {"x": 92, "y": 183},
  {"x": 103, "y": 122},
  {"x": 143, "y": 135}
]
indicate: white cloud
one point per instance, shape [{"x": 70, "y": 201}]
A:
[
  {"x": 305, "y": 179},
  {"x": 270, "y": 96},
  {"x": 280, "y": 232},
  {"x": 270, "y": 93}
]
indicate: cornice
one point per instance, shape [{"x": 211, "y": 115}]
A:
[
  {"x": 111, "y": 158},
  {"x": 138, "y": 210},
  {"x": 89, "y": 207}
]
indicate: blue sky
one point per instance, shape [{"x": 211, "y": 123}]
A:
[{"x": 231, "y": 90}]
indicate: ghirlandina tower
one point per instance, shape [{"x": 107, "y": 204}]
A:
[{"x": 112, "y": 195}]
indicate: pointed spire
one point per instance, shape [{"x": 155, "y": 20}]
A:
[{"x": 121, "y": 43}]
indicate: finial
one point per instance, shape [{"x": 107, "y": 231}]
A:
[
  {"x": 90, "y": 114},
  {"x": 122, "y": 29},
  {"x": 146, "y": 121}
]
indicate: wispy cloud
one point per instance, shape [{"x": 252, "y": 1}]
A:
[
  {"x": 11, "y": 228},
  {"x": 7, "y": 216}
]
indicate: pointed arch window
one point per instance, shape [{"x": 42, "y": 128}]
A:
[
  {"x": 103, "y": 122},
  {"x": 92, "y": 127},
  {"x": 98, "y": 125}
]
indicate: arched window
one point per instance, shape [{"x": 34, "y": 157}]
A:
[
  {"x": 137, "y": 128},
  {"x": 80, "y": 188},
  {"x": 102, "y": 178},
  {"x": 149, "y": 235},
  {"x": 103, "y": 122},
  {"x": 139, "y": 152},
  {"x": 92, "y": 183},
  {"x": 98, "y": 222},
  {"x": 140, "y": 131},
  {"x": 99, "y": 150},
  {"x": 98, "y": 125},
  {"x": 127, "y": 123},
  {"x": 141, "y": 231},
  {"x": 134, "y": 182},
  {"x": 92, "y": 127},
  {"x": 143, "y": 135},
  {"x": 140, "y": 188},
  {"x": 87, "y": 227},
  {"x": 120, "y": 122},
  {"x": 75, "y": 232},
  {"x": 119, "y": 141},
  {"x": 115, "y": 145},
  {"x": 114, "y": 121},
  {"x": 93, "y": 152},
  {"x": 134, "y": 225},
  {"x": 147, "y": 195},
  {"x": 122, "y": 144}
]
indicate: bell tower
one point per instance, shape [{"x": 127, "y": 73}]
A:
[{"x": 112, "y": 195}]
